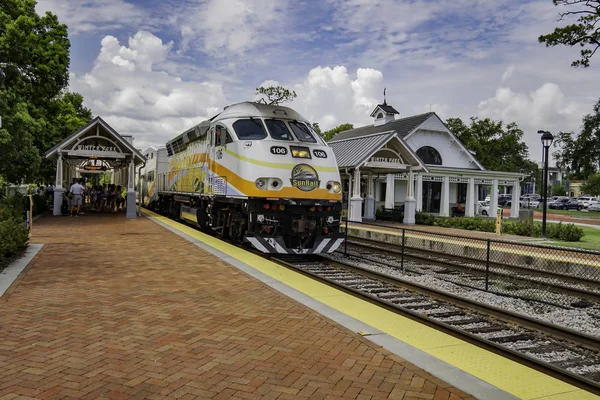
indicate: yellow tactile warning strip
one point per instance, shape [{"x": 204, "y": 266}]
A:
[
  {"x": 512, "y": 377},
  {"x": 462, "y": 242}
]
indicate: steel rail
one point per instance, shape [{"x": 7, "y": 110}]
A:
[
  {"x": 409, "y": 253},
  {"x": 574, "y": 337}
]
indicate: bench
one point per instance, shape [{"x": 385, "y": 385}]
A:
[{"x": 395, "y": 214}]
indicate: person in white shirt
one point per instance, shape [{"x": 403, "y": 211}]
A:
[{"x": 77, "y": 191}]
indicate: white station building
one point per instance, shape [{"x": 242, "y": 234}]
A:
[{"x": 415, "y": 162}]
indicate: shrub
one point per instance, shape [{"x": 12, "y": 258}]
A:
[
  {"x": 13, "y": 233},
  {"x": 522, "y": 228},
  {"x": 469, "y": 223},
  {"x": 566, "y": 233},
  {"x": 423, "y": 218}
]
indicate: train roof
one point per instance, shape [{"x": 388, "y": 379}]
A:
[{"x": 253, "y": 109}]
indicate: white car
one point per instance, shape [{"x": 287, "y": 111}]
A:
[
  {"x": 484, "y": 208},
  {"x": 594, "y": 207},
  {"x": 529, "y": 203},
  {"x": 585, "y": 201}
]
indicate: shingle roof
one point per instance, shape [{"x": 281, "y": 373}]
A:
[
  {"x": 388, "y": 109},
  {"x": 352, "y": 152},
  {"x": 402, "y": 126}
]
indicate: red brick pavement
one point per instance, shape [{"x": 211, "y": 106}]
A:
[{"x": 124, "y": 309}]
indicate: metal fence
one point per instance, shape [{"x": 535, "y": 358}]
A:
[{"x": 555, "y": 275}]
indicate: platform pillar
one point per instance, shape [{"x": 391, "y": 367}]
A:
[
  {"x": 515, "y": 204},
  {"x": 419, "y": 192},
  {"x": 131, "y": 211},
  {"x": 370, "y": 200},
  {"x": 410, "y": 204},
  {"x": 356, "y": 201},
  {"x": 390, "y": 190},
  {"x": 58, "y": 186},
  {"x": 470, "y": 206},
  {"x": 445, "y": 197}
]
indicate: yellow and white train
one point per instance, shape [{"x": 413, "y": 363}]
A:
[{"x": 254, "y": 173}]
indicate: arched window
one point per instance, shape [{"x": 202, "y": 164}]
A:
[
  {"x": 380, "y": 115},
  {"x": 429, "y": 155}
]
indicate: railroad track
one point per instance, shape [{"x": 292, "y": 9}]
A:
[
  {"x": 583, "y": 288},
  {"x": 569, "y": 355}
]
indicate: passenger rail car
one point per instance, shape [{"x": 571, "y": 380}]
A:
[{"x": 258, "y": 174}]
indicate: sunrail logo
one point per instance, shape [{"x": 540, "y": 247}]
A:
[{"x": 305, "y": 178}]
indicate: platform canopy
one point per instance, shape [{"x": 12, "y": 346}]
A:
[{"x": 95, "y": 148}]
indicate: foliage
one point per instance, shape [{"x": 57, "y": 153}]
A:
[
  {"x": 317, "y": 128},
  {"x": 423, "y": 218},
  {"x": 559, "y": 190},
  {"x": 567, "y": 232},
  {"x": 13, "y": 232},
  {"x": 328, "y": 135},
  {"x": 275, "y": 94},
  {"x": 468, "y": 223},
  {"x": 497, "y": 147},
  {"x": 579, "y": 154},
  {"x": 583, "y": 33},
  {"x": 522, "y": 228},
  {"x": 592, "y": 186},
  {"x": 34, "y": 54},
  {"x": 105, "y": 178}
]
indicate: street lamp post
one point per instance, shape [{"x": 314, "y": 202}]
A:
[{"x": 547, "y": 139}]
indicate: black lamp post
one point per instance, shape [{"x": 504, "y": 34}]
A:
[{"x": 547, "y": 139}]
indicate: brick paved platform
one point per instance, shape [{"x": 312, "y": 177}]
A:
[{"x": 125, "y": 309}]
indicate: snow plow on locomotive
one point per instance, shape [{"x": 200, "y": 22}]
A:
[{"x": 255, "y": 174}]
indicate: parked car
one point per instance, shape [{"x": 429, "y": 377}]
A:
[
  {"x": 594, "y": 207},
  {"x": 532, "y": 196},
  {"x": 553, "y": 199},
  {"x": 585, "y": 201},
  {"x": 566, "y": 204},
  {"x": 484, "y": 208},
  {"x": 502, "y": 199},
  {"x": 529, "y": 202}
]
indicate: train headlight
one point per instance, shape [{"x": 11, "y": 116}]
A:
[
  {"x": 300, "y": 152},
  {"x": 265, "y": 183},
  {"x": 330, "y": 219},
  {"x": 260, "y": 218},
  {"x": 260, "y": 183},
  {"x": 334, "y": 187}
]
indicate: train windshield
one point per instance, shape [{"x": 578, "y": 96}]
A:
[
  {"x": 249, "y": 129},
  {"x": 302, "y": 132},
  {"x": 278, "y": 129}
]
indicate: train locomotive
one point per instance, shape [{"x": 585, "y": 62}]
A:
[{"x": 254, "y": 173}]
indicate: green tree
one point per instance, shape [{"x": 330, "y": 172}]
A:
[
  {"x": 317, "y": 128},
  {"x": 579, "y": 154},
  {"x": 36, "y": 113},
  {"x": 275, "y": 94},
  {"x": 328, "y": 135},
  {"x": 559, "y": 190},
  {"x": 583, "y": 33},
  {"x": 592, "y": 185},
  {"x": 497, "y": 147}
]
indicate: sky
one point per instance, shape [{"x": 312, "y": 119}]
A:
[{"x": 153, "y": 68}]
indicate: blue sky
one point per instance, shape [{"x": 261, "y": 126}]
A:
[{"x": 152, "y": 68}]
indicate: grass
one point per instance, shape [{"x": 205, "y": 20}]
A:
[
  {"x": 575, "y": 213},
  {"x": 591, "y": 240}
]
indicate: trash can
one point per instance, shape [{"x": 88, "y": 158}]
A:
[{"x": 526, "y": 215}]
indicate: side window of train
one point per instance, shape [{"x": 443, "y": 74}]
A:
[{"x": 222, "y": 135}]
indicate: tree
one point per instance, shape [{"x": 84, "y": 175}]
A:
[
  {"x": 584, "y": 32},
  {"x": 497, "y": 147},
  {"x": 317, "y": 128},
  {"x": 580, "y": 154},
  {"x": 559, "y": 190},
  {"x": 328, "y": 135},
  {"x": 274, "y": 95},
  {"x": 592, "y": 186},
  {"x": 34, "y": 55}
]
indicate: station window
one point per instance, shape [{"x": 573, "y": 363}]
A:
[
  {"x": 278, "y": 129},
  {"x": 302, "y": 132},
  {"x": 429, "y": 155},
  {"x": 249, "y": 129}
]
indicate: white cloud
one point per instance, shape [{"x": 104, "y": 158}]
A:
[
  {"x": 508, "y": 73},
  {"x": 85, "y": 16},
  {"x": 127, "y": 87}
]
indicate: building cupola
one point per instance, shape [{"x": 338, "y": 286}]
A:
[{"x": 383, "y": 113}]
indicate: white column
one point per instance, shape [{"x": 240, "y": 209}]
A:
[
  {"x": 445, "y": 198},
  {"x": 515, "y": 204},
  {"x": 356, "y": 201},
  {"x": 494, "y": 198},
  {"x": 470, "y": 206},
  {"x": 410, "y": 205},
  {"x": 390, "y": 190},
  {"x": 419, "y": 192},
  {"x": 370, "y": 201},
  {"x": 58, "y": 186},
  {"x": 130, "y": 190}
]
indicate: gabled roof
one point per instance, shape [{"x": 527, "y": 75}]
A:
[
  {"x": 402, "y": 126},
  {"x": 96, "y": 121},
  {"x": 385, "y": 108},
  {"x": 352, "y": 152}
]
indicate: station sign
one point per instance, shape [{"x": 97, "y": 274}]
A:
[
  {"x": 94, "y": 167},
  {"x": 96, "y": 151},
  {"x": 386, "y": 160}
]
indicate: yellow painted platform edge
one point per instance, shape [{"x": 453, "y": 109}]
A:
[{"x": 547, "y": 386}]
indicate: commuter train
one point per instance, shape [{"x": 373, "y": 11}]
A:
[{"x": 254, "y": 173}]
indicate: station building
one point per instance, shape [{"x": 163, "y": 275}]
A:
[{"x": 415, "y": 163}]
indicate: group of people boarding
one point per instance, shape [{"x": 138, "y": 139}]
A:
[{"x": 101, "y": 198}]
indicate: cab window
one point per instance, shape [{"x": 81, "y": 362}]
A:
[
  {"x": 249, "y": 129},
  {"x": 278, "y": 129},
  {"x": 302, "y": 132},
  {"x": 222, "y": 135}
]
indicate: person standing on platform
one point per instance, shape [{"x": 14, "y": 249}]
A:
[{"x": 77, "y": 191}]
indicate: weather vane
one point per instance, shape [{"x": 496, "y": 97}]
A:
[{"x": 384, "y": 101}]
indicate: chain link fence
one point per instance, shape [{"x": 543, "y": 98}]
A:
[{"x": 549, "y": 274}]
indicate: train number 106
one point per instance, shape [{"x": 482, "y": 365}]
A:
[{"x": 278, "y": 150}]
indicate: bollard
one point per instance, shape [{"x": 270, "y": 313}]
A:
[{"x": 487, "y": 267}]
